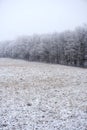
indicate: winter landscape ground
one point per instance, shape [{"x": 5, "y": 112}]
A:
[{"x": 39, "y": 96}]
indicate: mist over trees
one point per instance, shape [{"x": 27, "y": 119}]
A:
[{"x": 67, "y": 48}]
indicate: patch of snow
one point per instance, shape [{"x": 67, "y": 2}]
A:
[{"x": 38, "y": 96}]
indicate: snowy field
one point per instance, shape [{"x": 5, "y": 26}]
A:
[{"x": 39, "y": 96}]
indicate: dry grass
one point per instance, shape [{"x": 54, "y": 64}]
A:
[{"x": 38, "y": 96}]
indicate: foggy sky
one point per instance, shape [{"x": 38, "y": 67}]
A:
[{"x": 27, "y": 17}]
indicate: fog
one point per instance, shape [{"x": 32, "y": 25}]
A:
[{"x": 27, "y": 17}]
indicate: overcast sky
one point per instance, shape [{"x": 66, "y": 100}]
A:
[{"x": 27, "y": 17}]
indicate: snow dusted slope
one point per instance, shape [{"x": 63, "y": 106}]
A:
[{"x": 38, "y": 96}]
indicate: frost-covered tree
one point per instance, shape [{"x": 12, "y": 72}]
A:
[{"x": 69, "y": 48}]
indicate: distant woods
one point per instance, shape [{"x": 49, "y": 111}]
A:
[{"x": 67, "y": 48}]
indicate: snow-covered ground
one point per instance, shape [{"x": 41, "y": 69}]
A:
[{"x": 39, "y": 96}]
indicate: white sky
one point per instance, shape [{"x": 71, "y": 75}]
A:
[{"x": 26, "y": 17}]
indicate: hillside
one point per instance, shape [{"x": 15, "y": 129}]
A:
[{"x": 39, "y": 96}]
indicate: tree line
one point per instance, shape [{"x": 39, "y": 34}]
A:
[{"x": 67, "y": 48}]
